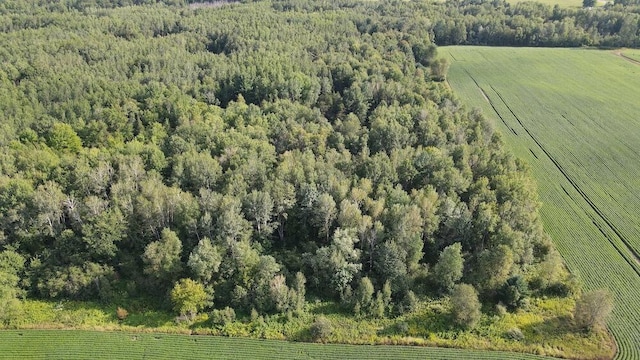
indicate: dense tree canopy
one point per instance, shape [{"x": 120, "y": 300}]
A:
[{"x": 266, "y": 151}]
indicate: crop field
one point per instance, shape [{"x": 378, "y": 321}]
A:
[
  {"x": 76, "y": 344},
  {"x": 574, "y": 116}
]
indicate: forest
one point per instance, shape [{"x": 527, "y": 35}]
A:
[{"x": 253, "y": 158}]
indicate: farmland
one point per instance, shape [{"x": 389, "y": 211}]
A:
[
  {"x": 115, "y": 345},
  {"x": 573, "y": 116}
]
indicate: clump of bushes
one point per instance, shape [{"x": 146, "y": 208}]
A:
[
  {"x": 514, "y": 293},
  {"x": 514, "y": 334},
  {"x": 223, "y": 317},
  {"x": 321, "y": 329}
]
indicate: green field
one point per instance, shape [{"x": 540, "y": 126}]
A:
[
  {"x": 573, "y": 115},
  {"x": 633, "y": 54},
  {"x": 76, "y": 344}
]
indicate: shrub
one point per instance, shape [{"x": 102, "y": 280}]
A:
[
  {"x": 514, "y": 292},
  {"x": 224, "y": 316},
  {"x": 514, "y": 334},
  {"x": 402, "y": 328},
  {"x": 321, "y": 329},
  {"x": 121, "y": 313}
]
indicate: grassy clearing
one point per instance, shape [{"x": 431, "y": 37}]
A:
[
  {"x": 573, "y": 115},
  {"x": 545, "y": 326}
]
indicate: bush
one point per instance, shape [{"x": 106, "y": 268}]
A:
[
  {"x": 121, "y": 313},
  {"x": 402, "y": 328},
  {"x": 223, "y": 317},
  {"x": 570, "y": 286},
  {"x": 501, "y": 310},
  {"x": 514, "y": 292},
  {"x": 514, "y": 334},
  {"x": 321, "y": 329}
]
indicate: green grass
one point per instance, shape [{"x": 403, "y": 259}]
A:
[
  {"x": 633, "y": 54},
  {"x": 574, "y": 116},
  {"x": 78, "y": 344}
]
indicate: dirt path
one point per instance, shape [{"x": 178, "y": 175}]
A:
[{"x": 631, "y": 60}]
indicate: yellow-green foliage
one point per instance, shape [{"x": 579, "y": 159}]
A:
[{"x": 188, "y": 296}]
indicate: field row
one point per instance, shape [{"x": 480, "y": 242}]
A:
[
  {"x": 572, "y": 115},
  {"x": 76, "y": 344}
]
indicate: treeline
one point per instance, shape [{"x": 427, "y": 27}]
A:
[
  {"x": 499, "y": 23},
  {"x": 268, "y": 154},
  {"x": 534, "y": 24},
  {"x": 469, "y": 22}
]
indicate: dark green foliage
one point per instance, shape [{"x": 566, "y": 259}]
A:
[
  {"x": 514, "y": 292},
  {"x": 162, "y": 258},
  {"x": 204, "y": 261},
  {"x": 448, "y": 269}
]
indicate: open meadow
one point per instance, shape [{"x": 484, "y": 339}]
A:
[{"x": 573, "y": 115}]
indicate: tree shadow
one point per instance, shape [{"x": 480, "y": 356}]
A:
[
  {"x": 553, "y": 327},
  {"x": 328, "y": 308},
  {"x": 149, "y": 318},
  {"x": 423, "y": 325}
]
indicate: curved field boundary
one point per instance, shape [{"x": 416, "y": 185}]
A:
[
  {"x": 78, "y": 344},
  {"x": 574, "y": 116}
]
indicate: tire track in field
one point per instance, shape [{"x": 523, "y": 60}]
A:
[
  {"x": 486, "y": 97},
  {"x": 635, "y": 265},
  {"x": 629, "y": 59}
]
